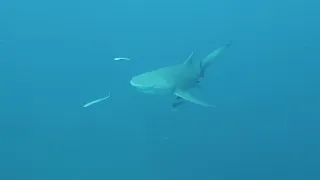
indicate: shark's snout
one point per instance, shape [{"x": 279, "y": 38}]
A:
[
  {"x": 140, "y": 85},
  {"x": 137, "y": 82},
  {"x": 132, "y": 83},
  {"x": 141, "y": 80},
  {"x": 150, "y": 83}
]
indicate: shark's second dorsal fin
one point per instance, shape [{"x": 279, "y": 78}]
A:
[{"x": 189, "y": 60}]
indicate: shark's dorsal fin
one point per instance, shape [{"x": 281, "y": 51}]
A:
[
  {"x": 189, "y": 60},
  {"x": 187, "y": 96}
]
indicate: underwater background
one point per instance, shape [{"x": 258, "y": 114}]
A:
[{"x": 57, "y": 55}]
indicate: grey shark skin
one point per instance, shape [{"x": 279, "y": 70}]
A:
[{"x": 177, "y": 79}]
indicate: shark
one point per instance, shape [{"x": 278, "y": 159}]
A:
[{"x": 179, "y": 79}]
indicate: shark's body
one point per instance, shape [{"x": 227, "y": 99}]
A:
[{"x": 176, "y": 80}]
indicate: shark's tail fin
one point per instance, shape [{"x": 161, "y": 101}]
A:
[{"x": 206, "y": 62}]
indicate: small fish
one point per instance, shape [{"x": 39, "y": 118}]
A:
[
  {"x": 96, "y": 101},
  {"x": 121, "y": 59}
]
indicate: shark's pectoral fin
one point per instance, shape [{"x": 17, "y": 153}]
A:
[{"x": 188, "y": 97}]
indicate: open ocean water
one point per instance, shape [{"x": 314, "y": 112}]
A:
[{"x": 57, "y": 55}]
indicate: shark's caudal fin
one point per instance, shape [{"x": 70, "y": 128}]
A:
[
  {"x": 206, "y": 62},
  {"x": 187, "y": 96}
]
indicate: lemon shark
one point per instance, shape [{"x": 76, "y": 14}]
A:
[{"x": 177, "y": 79}]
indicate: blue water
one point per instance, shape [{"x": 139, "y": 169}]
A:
[{"x": 57, "y": 55}]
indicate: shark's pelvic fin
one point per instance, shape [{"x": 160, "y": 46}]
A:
[
  {"x": 187, "y": 96},
  {"x": 189, "y": 60}
]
